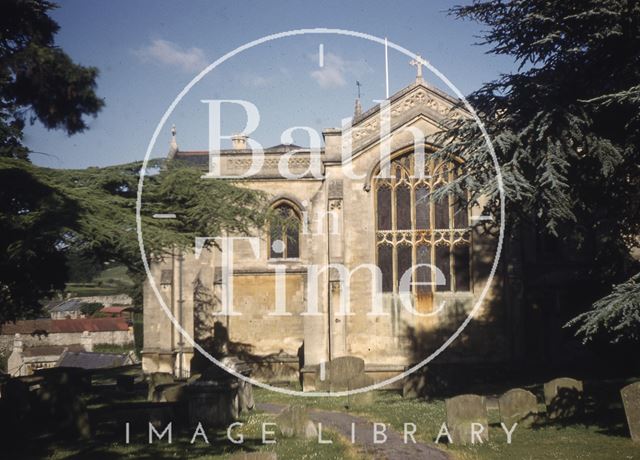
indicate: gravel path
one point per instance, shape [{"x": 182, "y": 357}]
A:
[{"x": 393, "y": 449}]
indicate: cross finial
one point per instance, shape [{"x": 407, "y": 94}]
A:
[
  {"x": 173, "y": 145},
  {"x": 418, "y": 63}
]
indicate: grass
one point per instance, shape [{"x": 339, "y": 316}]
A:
[
  {"x": 601, "y": 436},
  {"x": 109, "y": 348},
  {"x": 591, "y": 439},
  {"x": 107, "y": 445},
  {"x": 111, "y": 281},
  {"x": 114, "y": 275},
  {"x": 108, "y": 440}
]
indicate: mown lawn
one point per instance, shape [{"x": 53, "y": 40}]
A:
[{"x": 597, "y": 437}]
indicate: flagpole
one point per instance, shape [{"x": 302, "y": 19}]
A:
[{"x": 386, "y": 66}]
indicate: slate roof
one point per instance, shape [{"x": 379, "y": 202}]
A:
[
  {"x": 51, "y": 326},
  {"x": 90, "y": 360},
  {"x": 67, "y": 305}
]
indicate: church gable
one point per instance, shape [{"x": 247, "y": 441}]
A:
[{"x": 418, "y": 100}]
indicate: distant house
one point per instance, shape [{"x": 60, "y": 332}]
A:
[
  {"x": 116, "y": 311},
  {"x": 66, "y": 332},
  {"x": 72, "y": 308},
  {"x": 25, "y": 361},
  {"x": 66, "y": 309}
]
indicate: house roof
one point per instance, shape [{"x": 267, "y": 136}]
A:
[
  {"x": 66, "y": 305},
  {"x": 51, "y": 326},
  {"x": 114, "y": 309},
  {"x": 90, "y": 360}
]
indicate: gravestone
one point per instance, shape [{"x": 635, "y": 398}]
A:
[
  {"x": 294, "y": 421},
  {"x": 59, "y": 407},
  {"x": 631, "y": 401},
  {"x": 342, "y": 374},
  {"x": 462, "y": 412},
  {"x": 364, "y": 398},
  {"x": 245, "y": 396},
  {"x": 212, "y": 403},
  {"x": 414, "y": 385},
  {"x": 170, "y": 392},
  {"x": 155, "y": 379},
  {"x": 563, "y": 397},
  {"x": 78, "y": 378},
  {"x": 518, "y": 406}
]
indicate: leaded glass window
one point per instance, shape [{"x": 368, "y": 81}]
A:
[{"x": 413, "y": 228}]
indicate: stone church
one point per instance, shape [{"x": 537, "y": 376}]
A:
[{"x": 355, "y": 219}]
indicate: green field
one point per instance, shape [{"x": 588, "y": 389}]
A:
[{"x": 111, "y": 281}]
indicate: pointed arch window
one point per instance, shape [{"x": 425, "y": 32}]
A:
[
  {"x": 413, "y": 229},
  {"x": 284, "y": 233}
]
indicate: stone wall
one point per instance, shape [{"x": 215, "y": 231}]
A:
[{"x": 69, "y": 338}]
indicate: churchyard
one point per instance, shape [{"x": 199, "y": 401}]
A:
[{"x": 110, "y": 414}]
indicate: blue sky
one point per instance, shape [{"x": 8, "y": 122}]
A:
[{"x": 147, "y": 51}]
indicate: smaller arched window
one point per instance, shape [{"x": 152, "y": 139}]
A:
[{"x": 284, "y": 233}]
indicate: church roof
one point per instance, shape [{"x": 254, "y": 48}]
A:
[
  {"x": 200, "y": 158},
  {"x": 436, "y": 97}
]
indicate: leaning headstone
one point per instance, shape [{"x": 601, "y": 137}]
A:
[
  {"x": 294, "y": 421},
  {"x": 414, "y": 385},
  {"x": 464, "y": 414},
  {"x": 245, "y": 396},
  {"x": 518, "y": 406},
  {"x": 631, "y": 401},
  {"x": 563, "y": 397},
  {"x": 155, "y": 379},
  {"x": 170, "y": 392}
]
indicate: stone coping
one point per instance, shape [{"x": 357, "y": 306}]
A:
[{"x": 372, "y": 368}]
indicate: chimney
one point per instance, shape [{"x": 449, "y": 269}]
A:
[
  {"x": 86, "y": 341},
  {"x": 239, "y": 142},
  {"x": 358, "y": 109},
  {"x": 17, "y": 343}
]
